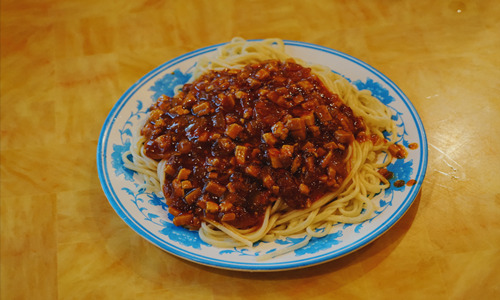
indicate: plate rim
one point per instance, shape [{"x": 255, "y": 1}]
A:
[{"x": 261, "y": 266}]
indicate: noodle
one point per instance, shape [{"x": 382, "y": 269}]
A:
[{"x": 350, "y": 203}]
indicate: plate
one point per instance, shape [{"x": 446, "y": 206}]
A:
[{"x": 146, "y": 213}]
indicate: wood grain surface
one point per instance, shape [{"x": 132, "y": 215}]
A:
[{"x": 64, "y": 64}]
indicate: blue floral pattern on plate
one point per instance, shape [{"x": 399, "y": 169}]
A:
[{"x": 147, "y": 212}]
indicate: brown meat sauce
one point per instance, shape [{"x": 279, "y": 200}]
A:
[{"x": 236, "y": 140}]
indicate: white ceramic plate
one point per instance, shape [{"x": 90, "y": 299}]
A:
[{"x": 146, "y": 213}]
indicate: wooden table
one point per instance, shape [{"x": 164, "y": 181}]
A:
[{"x": 65, "y": 63}]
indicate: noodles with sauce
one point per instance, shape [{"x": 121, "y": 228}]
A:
[{"x": 260, "y": 146}]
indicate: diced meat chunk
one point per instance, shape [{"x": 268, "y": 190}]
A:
[
  {"x": 225, "y": 206},
  {"x": 178, "y": 111},
  {"x": 327, "y": 159},
  {"x": 183, "y": 174},
  {"x": 227, "y": 102},
  {"x": 315, "y": 130},
  {"x": 269, "y": 138},
  {"x": 240, "y": 94},
  {"x": 306, "y": 85},
  {"x": 323, "y": 114},
  {"x": 252, "y": 170},
  {"x": 201, "y": 109},
  {"x": 226, "y": 144},
  {"x": 186, "y": 184},
  {"x": 215, "y": 188},
  {"x": 170, "y": 170},
  {"x": 182, "y": 220},
  {"x": 254, "y": 83},
  {"x": 262, "y": 74},
  {"x": 308, "y": 119},
  {"x": 228, "y": 217},
  {"x": 297, "y": 128},
  {"x": 287, "y": 150},
  {"x": 304, "y": 189},
  {"x": 397, "y": 151},
  {"x": 173, "y": 211},
  {"x": 212, "y": 207},
  {"x": 240, "y": 153},
  {"x": 233, "y": 130},
  {"x": 296, "y": 164},
  {"x": 268, "y": 181},
  {"x": 343, "y": 136},
  {"x": 274, "y": 156},
  {"x": 279, "y": 130},
  {"x": 193, "y": 195}
]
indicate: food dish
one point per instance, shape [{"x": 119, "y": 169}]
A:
[
  {"x": 260, "y": 146},
  {"x": 146, "y": 214}
]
